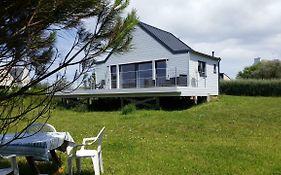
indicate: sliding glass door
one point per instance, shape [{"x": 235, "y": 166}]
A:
[
  {"x": 139, "y": 75},
  {"x": 144, "y": 75},
  {"x": 128, "y": 76},
  {"x": 136, "y": 75},
  {"x": 160, "y": 67}
]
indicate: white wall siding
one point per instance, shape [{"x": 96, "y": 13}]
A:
[
  {"x": 210, "y": 82},
  {"x": 144, "y": 48}
]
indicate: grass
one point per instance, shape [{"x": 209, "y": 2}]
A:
[{"x": 233, "y": 135}]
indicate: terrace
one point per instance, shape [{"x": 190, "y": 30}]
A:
[{"x": 129, "y": 82}]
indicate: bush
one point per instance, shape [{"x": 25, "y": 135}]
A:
[
  {"x": 249, "y": 87},
  {"x": 130, "y": 108},
  {"x": 80, "y": 105}
]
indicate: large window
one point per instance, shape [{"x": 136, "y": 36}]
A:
[
  {"x": 113, "y": 77},
  {"x": 128, "y": 75},
  {"x": 136, "y": 75},
  {"x": 202, "y": 68},
  {"x": 144, "y": 75},
  {"x": 139, "y": 75}
]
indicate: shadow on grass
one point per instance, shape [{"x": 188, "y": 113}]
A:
[
  {"x": 175, "y": 103},
  {"x": 45, "y": 167},
  {"x": 114, "y": 104}
]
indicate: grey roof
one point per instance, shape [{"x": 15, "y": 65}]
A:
[{"x": 167, "y": 39}]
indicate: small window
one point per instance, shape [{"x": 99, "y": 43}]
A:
[
  {"x": 202, "y": 68},
  {"x": 215, "y": 69}
]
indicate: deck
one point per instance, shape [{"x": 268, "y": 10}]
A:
[{"x": 134, "y": 92}]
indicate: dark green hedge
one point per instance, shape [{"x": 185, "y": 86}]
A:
[{"x": 251, "y": 87}]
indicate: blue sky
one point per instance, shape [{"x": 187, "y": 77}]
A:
[{"x": 237, "y": 30}]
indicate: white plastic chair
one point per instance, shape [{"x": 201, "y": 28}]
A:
[
  {"x": 40, "y": 127},
  {"x": 95, "y": 155},
  {"x": 14, "y": 166}
]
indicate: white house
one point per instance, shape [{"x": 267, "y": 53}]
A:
[
  {"x": 17, "y": 76},
  {"x": 159, "y": 64},
  {"x": 158, "y": 59}
]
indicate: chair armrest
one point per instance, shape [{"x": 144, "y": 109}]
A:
[
  {"x": 88, "y": 141},
  {"x": 12, "y": 156},
  {"x": 93, "y": 139},
  {"x": 71, "y": 149}
]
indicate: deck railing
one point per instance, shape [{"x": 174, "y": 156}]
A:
[{"x": 147, "y": 78}]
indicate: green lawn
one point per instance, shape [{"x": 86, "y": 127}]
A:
[{"x": 233, "y": 135}]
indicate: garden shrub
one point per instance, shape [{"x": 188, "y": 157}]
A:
[{"x": 128, "y": 109}]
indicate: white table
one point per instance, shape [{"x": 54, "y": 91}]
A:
[{"x": 36, "y": 146}]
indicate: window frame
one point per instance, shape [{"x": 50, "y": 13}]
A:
[
  {"x": 202, "y": 69},
  {"x": 113, "y": 76},
  {"x": 215, "y": 69}
]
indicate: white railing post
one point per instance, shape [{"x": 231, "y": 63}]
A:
[
  {"x": 153, "y": 72},
  {"x": 109, "y": 79},
  {"x": 176, "y": 76}
]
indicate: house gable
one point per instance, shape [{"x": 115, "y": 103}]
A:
[
  {"x": 144, "y": 48},
  {"x": 167, "y": 39}
]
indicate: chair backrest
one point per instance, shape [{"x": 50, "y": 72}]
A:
[
  {"x": 14, "y": 166},
  {"x": 40, "y": 127},
  {"x": 99, "y": 136}
]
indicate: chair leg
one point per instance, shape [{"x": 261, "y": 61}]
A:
[
  {"x": 15, "y": 165},
  {"x": 96, "y": 165},
  {"x": 69, "y": 164},
  {"x": 101, "y": 163},
  {"x": 78, "y": 164}
]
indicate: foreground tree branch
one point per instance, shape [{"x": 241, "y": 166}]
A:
[{"x": 28, "y": 32}]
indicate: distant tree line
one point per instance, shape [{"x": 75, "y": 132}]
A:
[
  {"x": 266, "y": 69},
  {"x": 261, "y": 79},
  {"x": 251, "y": 87}
]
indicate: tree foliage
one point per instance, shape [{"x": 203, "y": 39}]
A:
[
  {"x": 270, "y": 69},
  {"x": 28, "y": 32}
]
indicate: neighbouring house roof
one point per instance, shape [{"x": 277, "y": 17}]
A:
[
  {"x": 166, "y": 39},
  {"x": 17, "y": 75},
  {"x": 5, "y": 78},
  {"x": 223, "y": 76}
]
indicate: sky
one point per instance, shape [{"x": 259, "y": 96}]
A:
[{"x": 237, "y": 30}]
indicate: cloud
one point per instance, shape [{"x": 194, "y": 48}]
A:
[{"x": 237, "y": 30}]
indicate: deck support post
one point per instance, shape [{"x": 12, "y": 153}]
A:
[
  {"x": 122, "y": 102},
  {"x": 209, "y": 98},
  {"x": 90, "y": 101},
  {"x": 157, "y": 103},
  {"x": 195, "y": 98}
]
